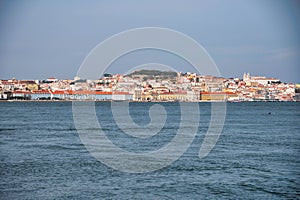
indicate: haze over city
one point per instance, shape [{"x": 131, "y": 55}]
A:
[{"x": 41, "y": 39}]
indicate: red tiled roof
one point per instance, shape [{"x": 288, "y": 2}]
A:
[
  {"x": 21, "y": 92},
  {"x": 70, "y": 92},
  {"x": 41, "y": 92}
]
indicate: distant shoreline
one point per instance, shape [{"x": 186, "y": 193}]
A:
[{"x": 138, "y": 101}]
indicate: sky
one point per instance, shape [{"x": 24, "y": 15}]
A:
[{"x": 42, "y": 39}]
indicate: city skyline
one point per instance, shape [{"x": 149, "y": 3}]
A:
[
  {"x": 45, "y": 38},
  {"x": 83, "y": 78},
  {"x": 152, "y": 85}
]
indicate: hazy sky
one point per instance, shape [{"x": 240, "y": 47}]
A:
[{"x": 39, "y": 39}]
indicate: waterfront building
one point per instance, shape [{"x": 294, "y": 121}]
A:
[
  {"x": 40, "y": 94},
  {"x": 297, "y": 92},
  {"x": 175, "y": 96},
  {"x": 218, "y": 96},
  {"x": 3, "y": 96},
  {"x": 139, "y": 87},
  {"x": 121, "y": 96},
  {"x": 20, "y": 95}
]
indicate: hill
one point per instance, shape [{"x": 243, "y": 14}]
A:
[{"x": 151, "y": 73}]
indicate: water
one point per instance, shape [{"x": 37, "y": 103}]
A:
[{"x": 256, "y": 157}]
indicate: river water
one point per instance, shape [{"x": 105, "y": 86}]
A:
[{"x": 256, "y": 156}]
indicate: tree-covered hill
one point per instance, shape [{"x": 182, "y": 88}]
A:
[{"x": 155, "y": 73}]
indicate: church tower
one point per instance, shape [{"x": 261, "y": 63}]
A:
[{"x": 247, "y": 79}]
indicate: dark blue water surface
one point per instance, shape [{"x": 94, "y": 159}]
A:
[{"x": 256, "y": 157}]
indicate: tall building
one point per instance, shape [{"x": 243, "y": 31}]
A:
[{"x": 247, "y": 79}]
